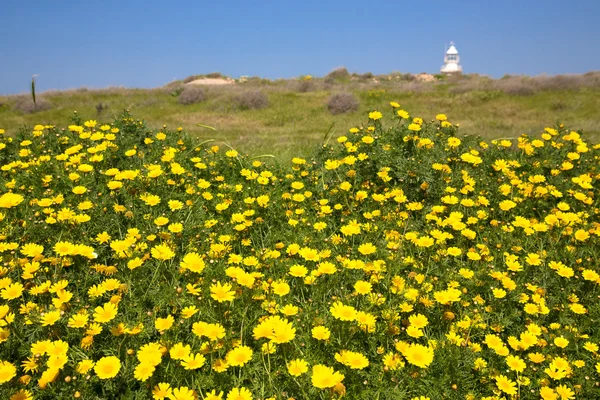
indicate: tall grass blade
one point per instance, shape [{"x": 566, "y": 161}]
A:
[
  {"x": 206, "y": 126},
  {"x": 33, "y": 89},
  {"x": 328, "y": 134}
]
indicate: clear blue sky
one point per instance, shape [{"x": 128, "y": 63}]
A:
[{"x": 148, "y": 43}]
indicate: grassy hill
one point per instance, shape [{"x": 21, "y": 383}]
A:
[{"x": 296, "y": 117}]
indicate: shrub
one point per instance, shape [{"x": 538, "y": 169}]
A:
[
  {"x": 101, "y": 107},
  {"x": 252, "y": 100},
  {"x": 338, "y": 74},
  {"x": 366, "y": 76},
  {"x": 341, "y": 103},
  {"x": 558, "y": 105},
  {"x": 25, "y": 105},
  {"x": 592, "y": 79},
  {"x": 515, "y": 86},
  {"x": 558, "y": 82},
  {"x": 214, "y": 75},
  {"x": 470, "y": 84},
  {"x": 304, "y": 86},
  {"x": 192, "y": 95},
  {"x": 176, "y": 91},
  {"x": 190, "y": 78}
]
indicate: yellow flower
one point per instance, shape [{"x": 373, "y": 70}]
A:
[
  {"x": 175, "y": 205},
  {"x": 175, "y": 227},
  {"x": 50, "y": 318},
  {"x": 454, "y": 142},
  {"x": 403, "y": 114},
  {"x": 105, "y": 313},
  {"x": 297, "y": 367},
  {"x": 548, "y": 393},
  {"x": 78, "y": 320},
  {"x": 84, "y": 366},
  {"x": 375, "y": 115},
  {"x": 180, "y": 351},
  {"x": 414, "y": 127},
  {"x": 163, "y": 324},
  {"x": 150, "y": 353},
  {"x": 114, "y": 185},
  {"x": 107, "y": 367},
  {"x": 591, "y": 347},
  {"x": 239, "y": 356},
  {"x": 561, "y": 342},
  {"x": 320, "y": 332},
  {"x": 7, "y": 371},
  {"x": 30, "y": 365},
  {"x": 103, "y": 237},
  {"x": 143, "y": 371},
  {"x": 324, "y": 377},
  {"x": 183, "y": 392},
  {"x": 362, "y": 287},
  {"x": 162, "y": 252},
  {"x": 280, "y": 288},
  {"x": 565, "y": 392},
  {"x": 32, "y": 250},
  {"x": 367, "y": 248},
  {"x": 289, "y": 310},
  {"x": 193, "y": 361},
  {"x": 506, "y": 205},
  {"x": 515, "y": 363},
  {"x": 298, "y": 271},
  {"x": 64, "y": 248},
  {"x": 160, "y": 221},
  {"x": 12, "y": 291},
  {"x": 193, "y": 262},
  {"x": 506, "y": 385},
  {"x": 533, "y": 259},
  {"x": 188, "y": 312},
  {"x": 9, "y": 200},
  {"x": 22, "y": 394},
  {"x": 342, "y": 312},
  {"x": 418, "y": 321},
  {"x": 352, "y": 359},
  {"x": 213, "y": 395},
  {"x": 418, "y": 355},
  {"x": 239, "y": 394},
  {"x": 222, "y": 293},
  {"x": 581, "y": 235},
  {"x": 367, "y": 139}
]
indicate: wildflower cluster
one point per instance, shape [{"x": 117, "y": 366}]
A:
[{"x": 403, "y": 261}]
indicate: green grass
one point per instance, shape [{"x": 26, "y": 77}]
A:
[{"x": 295, "y": 122}]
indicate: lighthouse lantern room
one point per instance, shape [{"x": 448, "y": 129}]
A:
[{"x": 451, "y": 61}]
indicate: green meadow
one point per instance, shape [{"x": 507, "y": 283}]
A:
[{"x": 297, "y": 117}]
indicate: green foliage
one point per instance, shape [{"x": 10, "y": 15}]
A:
[
  {"x": 488, "y": 241},
  {"x": 300, "y": 119},
  {"x": 33, "y": 89}
]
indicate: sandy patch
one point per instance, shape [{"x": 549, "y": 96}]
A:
[
  {"x": 425, "y": 78},
  {"x": 212, "y": 81}
]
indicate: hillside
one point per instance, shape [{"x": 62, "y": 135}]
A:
[{"x": 288, "y": 117}]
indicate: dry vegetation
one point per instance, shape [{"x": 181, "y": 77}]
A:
[
  {"x": 341, "y": 103},
  {"x": 274, "y": 116}
]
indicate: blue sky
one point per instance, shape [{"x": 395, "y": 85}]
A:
[{"x": 95, "y": 44}]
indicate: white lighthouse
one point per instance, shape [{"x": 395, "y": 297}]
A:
[{"x": 451, "y": 61}]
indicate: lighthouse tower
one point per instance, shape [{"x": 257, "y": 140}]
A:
[{"x": 451, "y": 61}]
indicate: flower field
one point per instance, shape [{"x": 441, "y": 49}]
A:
[{"x": 402, "y": 261}]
